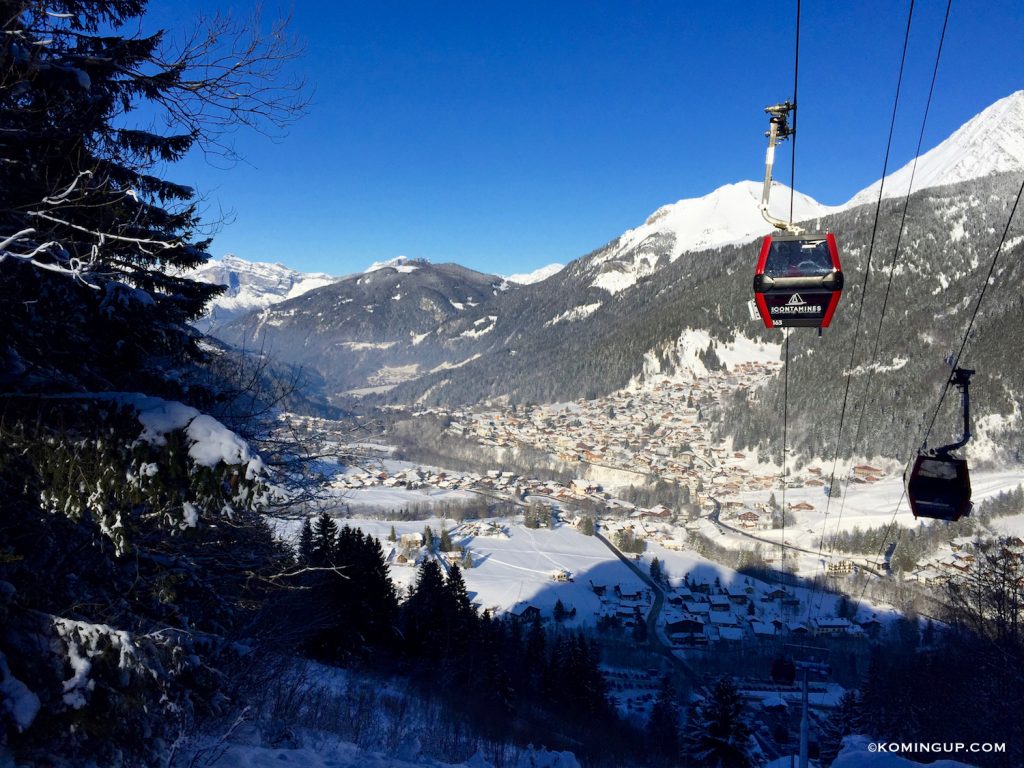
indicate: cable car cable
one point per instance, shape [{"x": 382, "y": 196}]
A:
[
  {"x": 892, "y": 266},
  {"x": 864, "y": 288},
  {"x": 785, "y": 439},
  {"x": 796, "y": 84},
  {"x": 974, "y": 314},
  {"x": 785, "y": 375},
  {"x": 956, "y": 363}
]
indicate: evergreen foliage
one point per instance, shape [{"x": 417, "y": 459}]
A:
[
  {"x": 627, "y": 541},
  {"x": 842, "y": 722},
  {"x": 717, "y": 733},
  {"x": 558, "y": 612},
  {"x": 663, "y": 725},
  {"x": 607, "y": 349},
  {"x": 445, "y": 542}
]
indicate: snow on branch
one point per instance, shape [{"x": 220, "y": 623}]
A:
[{"x": 31, "y": 250}]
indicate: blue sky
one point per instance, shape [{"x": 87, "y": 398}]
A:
[{"x": 505, "y": 136}]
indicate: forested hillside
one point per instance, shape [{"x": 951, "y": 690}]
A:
[
  {"x": 950, "y": 235},
  {"x": 372, "y": 329}
]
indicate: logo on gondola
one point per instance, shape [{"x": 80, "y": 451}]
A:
[{"x": 796, "y": 305}]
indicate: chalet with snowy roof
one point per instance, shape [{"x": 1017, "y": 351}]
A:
[
  {"x": 629, "y": 616},
  {"x": 697, "y": 608},
  {"x": 524, "y": 612},
  {"x": 686, "y": 625},
  {"x": 411, "y": 540},
  {"x": 719, "y": 619},
  {"x": 797, "y": 628},
  {"x": 749, "y": 519},
  {"x": 762, "y": 630},
  {"x": 866, "y": 471},
  {"x": 730, "y": 634},
  {"x": 803, "y": 506},
  {"x": 634, "y": 596},
  {"x": 775, "y": 594},
  {"x": 737, "y": 596},
  {"x": 830, "y": 625},
  {"x": 871, "y": 625},
  {"x": 839, "y": 567},
  {"x": 720, "y": 603}
]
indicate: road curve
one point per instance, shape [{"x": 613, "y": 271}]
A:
[{"x": 653, "y": 638}]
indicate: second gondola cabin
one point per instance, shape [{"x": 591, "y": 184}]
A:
[
  {"x": 798, "y": 280},
  {"x": 940, "y": 487}
]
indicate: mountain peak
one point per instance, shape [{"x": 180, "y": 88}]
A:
[
  {"x": 251, "y": 285},
  {"x": 399, "y": 263},
  {"x": 729, "y": 214},
  {"x": 537, "y": 275},
  {"x": 990, "y": 142}
]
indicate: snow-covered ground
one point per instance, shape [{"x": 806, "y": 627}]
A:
[
  {"x": 517, "y": 567},
  {"x": 325, "y": 751},
  {"x": 380, "y": 497},
  {"x": 1009, "y": 526},
  {"x": 867, "y": 505}
]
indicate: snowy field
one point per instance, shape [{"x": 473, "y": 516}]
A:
[
  {"x": 380, "y": 497},
  {"x": 518, "y": 566},
  {"x": 868, "y": 505},
  {"x": 1009, "y": 526}
]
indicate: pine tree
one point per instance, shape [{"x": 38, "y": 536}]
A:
[
  {"x": 306, "y": 542},
  {"x": 656, "y": 571},
  {"x": 393, "y": 535},
  {"x": 445, "y": 544},
  {"x": 716, "y": 733},
  {"x": 428, "y": 538},
  {"x": 587, "y": 525},
  {"x": 843, "y": 608},
  {"x": 536, "y": 642},
  {"x": 455, "y": 585},
  {"x": 663, "y": 726},
  {"x": 94, "y": 242},
  {"x": 843, "y": 721},
  {"x": 559, "y": 612},
  {"x": 325, "y": 541}
]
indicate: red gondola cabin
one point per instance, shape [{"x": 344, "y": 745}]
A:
[{"x": 798, "y": 280}]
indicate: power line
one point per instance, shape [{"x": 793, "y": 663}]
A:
[
  {"x": 892, "y": 266},
  {"x": 796, "y": 84},
  {"x": 956, "y": 363},
  {"x": 785, "y": 382},
  {"x": 864, "y": 290},
  {"x": 785, "y": 442}
]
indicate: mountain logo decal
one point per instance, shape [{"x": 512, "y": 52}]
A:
[{"x": 795, "y": 299}]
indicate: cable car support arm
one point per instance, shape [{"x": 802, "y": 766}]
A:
[
  {"x": 778, "y": 130},
  {"x": 961, "y": 379}
]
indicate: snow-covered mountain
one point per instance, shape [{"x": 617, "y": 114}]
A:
[
  {"x": 402, "y": 264},
  {"x": 990, "y": 142},
  {"x": 252, "y": 285},
  {"x": 730, "y": 214},
  {"x": 542, "y": 273},
  {"x": 375, "y": 328}
]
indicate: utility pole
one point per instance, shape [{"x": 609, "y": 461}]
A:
[{"x": 809, "y": 667}]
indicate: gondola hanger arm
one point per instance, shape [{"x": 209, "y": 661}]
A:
[{"x": 778, "y": 130}]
